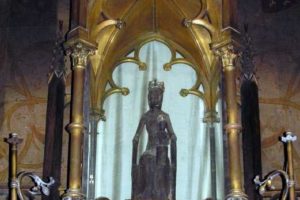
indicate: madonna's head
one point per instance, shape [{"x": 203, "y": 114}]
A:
[{"x": 155, "y": 95}]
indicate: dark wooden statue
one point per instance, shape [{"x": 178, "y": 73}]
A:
[{"x": 154, "y": 177}]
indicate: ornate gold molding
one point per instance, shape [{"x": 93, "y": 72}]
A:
[
  {"x": 201, "y": 21},
  {"x": 79, "y": 54},
  {"x": 113, "y": 90},
  {"x": 104, "y": 24},
  {"x": 233, "y": 126},
  {"x": 228, "y": 56}
]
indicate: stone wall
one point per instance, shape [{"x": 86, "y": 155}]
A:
[
  {"x": 27, "y": 37},
  {"x": 276, "y": 42}
]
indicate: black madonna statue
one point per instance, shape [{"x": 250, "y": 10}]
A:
[{"x": 154, "y": 177}]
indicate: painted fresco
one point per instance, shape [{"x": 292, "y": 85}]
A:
[
  {"x": 276, "y": 43},
  {"x": 25, "y": 60},
  {"x": 279, "y": 107}
]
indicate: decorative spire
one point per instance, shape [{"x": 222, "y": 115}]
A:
[
  {"x": 247, "y": 67},
  {"x": 58, "y": 55}
]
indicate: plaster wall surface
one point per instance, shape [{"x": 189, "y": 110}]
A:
[
  {"x": 276, "y": 43},
  {"x": 27, "y": 37}
]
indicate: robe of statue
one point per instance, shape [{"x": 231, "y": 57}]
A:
[{"x": 154, "y": 176}]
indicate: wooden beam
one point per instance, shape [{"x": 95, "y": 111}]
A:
[
  {"x": 54, "y": 131},
  {"x": 251, "y": 137},
  {"x": 229, "y": 15},
  {"x": 78, "y": 13}
]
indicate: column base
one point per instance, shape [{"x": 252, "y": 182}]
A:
[
  {"x": 73, "y": 195},
  {"x": 236, "y": 195}
]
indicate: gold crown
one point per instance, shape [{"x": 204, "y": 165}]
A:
[{"x": 156, "y": 84}]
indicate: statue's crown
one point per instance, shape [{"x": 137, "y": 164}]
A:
[{"x": 156, "y": 84}]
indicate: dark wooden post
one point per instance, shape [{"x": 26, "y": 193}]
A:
[
  {"x": 54, "y": 119},
  {"x": 250, "y": 118},
  {"x": 251, "y": 136}
]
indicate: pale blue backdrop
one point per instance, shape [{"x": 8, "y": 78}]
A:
[{"x": 114, "y": 147}]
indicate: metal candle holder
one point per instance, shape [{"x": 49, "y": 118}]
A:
[
  {"x": 15, "y": 191},
  {"x": 287, "y": 176}
]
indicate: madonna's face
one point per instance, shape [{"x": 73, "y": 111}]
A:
[{"x": 155, "y": 97}]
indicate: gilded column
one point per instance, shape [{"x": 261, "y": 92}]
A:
[
  {"x": 211, "y": 118},
  {"x": 79, "y": 53},
  {"x": 13, "y": 141},
  {"x": 289, "y": 138},
  {"x": 233, "y": 128},
  {"x": 90, "y": 154}
]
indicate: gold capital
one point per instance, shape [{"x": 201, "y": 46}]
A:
[
  {"x": 79, "y": 54},
  {"x": 228, "y": 56}
]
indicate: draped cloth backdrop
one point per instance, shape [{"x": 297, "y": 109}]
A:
[{"x": 114, "y": 142}]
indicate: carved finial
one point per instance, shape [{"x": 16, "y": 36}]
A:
[
  {"x": 288, "y": 137},
  {"x": 14, "y": 139},
  {"x": 156, "y": 84},
  {"x": 187, "y": 23},
  {"x": 247, "y": 66},
  {"x": 120, "y": 24},
  {"x": 57, "y": 67}
]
